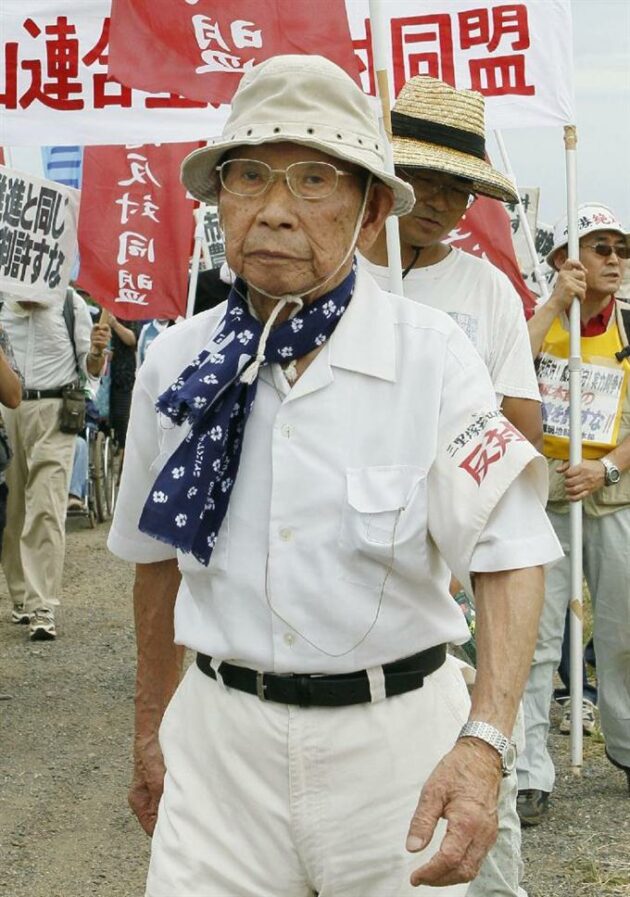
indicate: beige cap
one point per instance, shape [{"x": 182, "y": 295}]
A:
[{"x": 301, "y": 99}]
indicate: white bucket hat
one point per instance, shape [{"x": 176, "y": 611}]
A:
[
  {"x": 301, "y": 99},
  {"x": 591, "y": 217}
]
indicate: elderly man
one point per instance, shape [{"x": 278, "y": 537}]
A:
[
  {"x": 322, "y": 454},
  {"x": 601, "y": 481},
  {"x": 55, "y": 346}
]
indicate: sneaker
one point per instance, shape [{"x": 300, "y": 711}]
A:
[
  {"x": 532, "y": 805},
  {"x": 42, "y": 626},
  {"x": 588, "y": 718},
  {"x": 19, "y": 614}
]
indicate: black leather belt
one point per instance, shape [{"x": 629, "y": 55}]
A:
[
  {"x": 337, "y": 690},
  {"x": 29, "y": 394}
]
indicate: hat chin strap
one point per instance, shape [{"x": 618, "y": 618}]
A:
[{"x": 298, "y": 297}]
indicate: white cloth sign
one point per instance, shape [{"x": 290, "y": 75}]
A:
[
  {"x": 601, "y": 395},
  {"x": 56, "y": 55},
  {"x": 38, "y": 236}
]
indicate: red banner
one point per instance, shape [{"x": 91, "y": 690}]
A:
[
  {"x": 485, "y": 231},
  {"x": 201, "y": 48},
  {"x": 136, "y": 229}
]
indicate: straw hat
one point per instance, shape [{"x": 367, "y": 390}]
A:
[
  {"x": 591, "y": 217},
  {"x": 301, "y": 99},
  {"x": 442, "y": 129}
]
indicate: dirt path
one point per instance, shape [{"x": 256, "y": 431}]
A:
[{"x": 65, "y": 738}]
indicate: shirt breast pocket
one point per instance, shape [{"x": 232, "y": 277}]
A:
[{"x": 384, "y": 523}]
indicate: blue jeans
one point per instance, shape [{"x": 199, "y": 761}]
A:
[{"x": 79, "y": 478}]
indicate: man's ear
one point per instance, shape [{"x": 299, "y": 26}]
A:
[
  {"x": 559, "y": 258},
  {"x": 379, "y": 205}
]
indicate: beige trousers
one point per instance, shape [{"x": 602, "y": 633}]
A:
[{"x": 37, "y": 477}]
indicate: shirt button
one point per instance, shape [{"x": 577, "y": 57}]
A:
[
  {"x": 286, "y": 534},
  {"x": 289, "y": 638},
  {"x": 286, "y": 431}
]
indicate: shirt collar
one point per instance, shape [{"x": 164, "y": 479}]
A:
[
  {"x": 599, "y": 323},
  {"x": 364, "y": 339}
]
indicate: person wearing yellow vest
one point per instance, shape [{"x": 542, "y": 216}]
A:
[{"x": 601, "y": 481}]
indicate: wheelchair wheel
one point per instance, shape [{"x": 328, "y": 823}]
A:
[
  {"x": 98, "y": 468},
  {"x": 111, "y": 471}
]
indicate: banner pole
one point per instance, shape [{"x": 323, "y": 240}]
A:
[
  {"x": 541, "y": 280},
  {"x": 200, "y": 236},
  {"x": 575, "y": 457},
  {"x": 380, "y": 27}
]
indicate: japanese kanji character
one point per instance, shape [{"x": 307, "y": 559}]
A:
[
  {"x": 8, "y": 99},
  {"x": 47, "y": 210},
  {"x": 244, "y": 36},
  {"x": 500, "y": 75},
  {"x": 422, "y": 30},
  {"x": 208, "y": 32},
  {"x": 62, "y": 68},
  {"x": 21, "y": 255},
  {"x": 134, "y": 245},
  {"x": 128, "y": 207},
  {"x": 13, "y": 202},
  {"x": 140, "y": 170},
  {"x": 7, "y": 243}
]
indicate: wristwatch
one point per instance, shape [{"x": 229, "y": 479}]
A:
[
  {"x": 502, "y": 745},
  {"x": 612, "y": 474}
]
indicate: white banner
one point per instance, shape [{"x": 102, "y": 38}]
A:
[
  {"x": 38, "y": 236},
  {"x": 55, "y": 90}
]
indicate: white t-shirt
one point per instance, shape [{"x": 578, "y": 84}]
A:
[
  {"x": 481, "y": 299},
  {"x": 383, "y": 467}
]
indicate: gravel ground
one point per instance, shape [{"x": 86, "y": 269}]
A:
[{"x": 65, "y": 736}]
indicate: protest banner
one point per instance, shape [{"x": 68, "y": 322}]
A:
[
  {"x": 38, "y": 236},
  {"x": 530, "y": 197},
  {"x": 135, "y": 229},
  {"x": 55, "y": 64},
  {"x": 205, "y": 46}
]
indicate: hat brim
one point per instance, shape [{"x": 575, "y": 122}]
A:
[
  {"x": 485, "y": 179},
  {"x": 199, "y": 178}
]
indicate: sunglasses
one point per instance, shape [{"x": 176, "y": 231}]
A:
[{"x": 605, "y": 249}]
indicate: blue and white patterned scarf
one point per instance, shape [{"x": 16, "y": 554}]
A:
[{"x": 190, "y": 496}]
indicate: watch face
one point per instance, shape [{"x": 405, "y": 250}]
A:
[
  {"x": 613, "y": 476},
  {"x": 509, "y": 759}
]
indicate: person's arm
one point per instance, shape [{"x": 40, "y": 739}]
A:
[
  {"x": 464, "y": 786},
  {"x": 10, "y": 384},
  {"x": 159, "y": 665},
  {"x": 571, "y": 282},
  {"x": 588, "y": 476},
  {"x": 526, "y": 416},
  {"x": 99, "y": 341},
  {"x": 125, "y": 334}
]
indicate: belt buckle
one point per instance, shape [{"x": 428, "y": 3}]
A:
[{"x": 260, "y": 685}]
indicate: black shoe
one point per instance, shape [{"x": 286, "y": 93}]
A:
[
  {"x": 620, "y": 766},
  {"x": 532, "y": 805}
]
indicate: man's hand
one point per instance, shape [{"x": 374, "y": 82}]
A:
[
  {"x": 571, "y": 282},
  {"x": 583, "y": 479},
  {"x": 99, "y": 338},
  {"x": 147, "y": 784},
  {"x": 463, "y": 789}
]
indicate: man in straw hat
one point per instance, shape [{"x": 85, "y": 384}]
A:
[
  {"x": 439, "y": 149},
  {"x": 601, "y": 481},
  {"x": 314, "y": 517}
]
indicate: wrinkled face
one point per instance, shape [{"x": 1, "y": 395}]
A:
[
  {"x": 603, "y": 273},
  {"x": 284, "y": 244},
  {"x": 441, "y": 200}
]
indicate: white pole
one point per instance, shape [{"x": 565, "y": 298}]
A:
[
  {"x": 575, "y": 457},
  {"x": 194, "y": 269},
  {"x": 541, "y": 280},
  {"x": 379, "y": 22}
]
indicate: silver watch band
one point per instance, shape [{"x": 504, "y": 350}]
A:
[{"x": 487, "y": 733}]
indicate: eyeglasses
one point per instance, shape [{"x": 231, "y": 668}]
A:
[
  {"x": 306, "y": 180},
  {"x": 622, "y": 251},
  {"x": 425, "y": 188}
]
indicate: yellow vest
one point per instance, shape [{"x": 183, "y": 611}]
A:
[{"x": 604, "y": 388}]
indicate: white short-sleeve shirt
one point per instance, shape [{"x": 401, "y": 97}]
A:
[
  {"x": 481, "y": 299},
  {"x": 358, "y": 489}
]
